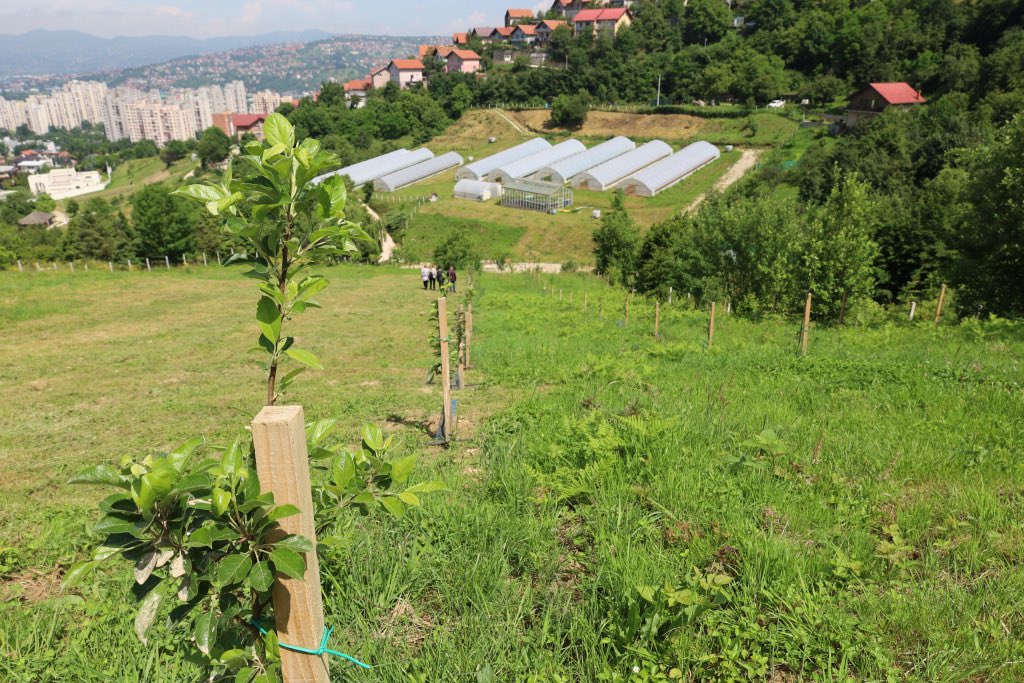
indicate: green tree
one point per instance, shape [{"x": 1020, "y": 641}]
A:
[
  {"x": 570, "y": 111},
  {"x": 165, "y": 224},
  {"x": 213, "y": 147},
  {"x": 174, "y": 150},
  {"x": 617, "y": 243},
  {"x": 457, "y": 251}
]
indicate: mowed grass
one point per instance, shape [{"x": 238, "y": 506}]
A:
[
  {"x": 134, "y": 174},
  {"x": 621, "y": 508}
]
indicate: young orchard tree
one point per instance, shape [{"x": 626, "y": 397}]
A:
[{"x": 289, "y": 222}]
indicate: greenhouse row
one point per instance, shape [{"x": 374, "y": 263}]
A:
[
  {"x": 414, "y": 174},
  {"x": 670, "y": 170},
  {"x": 478, "y": 170},
  {"x": 527, "y": 166},
  {"x": 609, "y": 174},
  {"x": 371, "y": 169}
]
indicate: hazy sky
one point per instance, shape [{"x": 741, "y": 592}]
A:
[{"x": 205, "y": 18}]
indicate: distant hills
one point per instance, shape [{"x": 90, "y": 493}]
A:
[{"x": 73, "y": 52}]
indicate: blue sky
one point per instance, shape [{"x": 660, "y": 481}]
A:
[{"x": 205, "y": 18}]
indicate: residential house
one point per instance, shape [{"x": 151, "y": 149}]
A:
[
  {"x": 441, "y": 51},
  {"x": 875, "y": 98},
  {"x": 37, "y": 218},
  {"x": 460, "y": 38},
  {"x": 356, "y": 91},
  {"x": 485, "y": 34},
  {"x": 248, "y": 123},
  {"x": 379, "y": 77},
  {"x": 503, "y": 34},
  {"x": 405, "y": 72},
  {"x": 567, "y": 9},
  {"x": 66, "y": 182},
  {"x": 515, "y": 16},
  {"x": 594, "y": 21},
  {"x": 524, "y": 35},
  {"x": 546, "y": 28},
  {"x": 462, "y": 61}
]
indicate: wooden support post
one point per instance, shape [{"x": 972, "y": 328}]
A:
[
  {"x": 167, "y": 261},
  {"x": 657, "y": 317},
  {"x": 148, "y": 267},
  {"x": 184, "y": 260},
  {"x": 204, "y": 259},
  {"x": 86, "y": 265},
  {"x": 469, "y": 331},
  {"x": 728, "y": 307},
  {"x": 218, "y": 257},
  {"x": 446, "y": 371},
  {"x": 129, "y": 265},
  {"x": 807, "y": 325},
  {"x": 913, "y": 309},
  {"x": 279, "y": 440},
  {"x": 20, "y": 270},
  {"x": 938, "y": 309},
  {"x": 38, "y": 267},
  {"x": 711, "y": 327},
  {"x": 71, "y": 265},
  {"x": 110, "y": 264},
  {"x": 670, "y": 295}
]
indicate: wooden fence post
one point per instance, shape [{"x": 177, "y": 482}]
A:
[
  {"x": 204, "y": 259},
  {"x": 279, "y": 439},
  {"x": 807, "y": 325},
  {"x": 218, "y": 257},
  {"x": 38, "y": 267},
  {"x": 913, "y": 308},
  {"x": 711, "y": 326},
  {"x": 446, "y": 374},
  {"x": 938, "y": 309},
  {"x": 184, "y": 260},
  {"x": 71, "y": 265},
  {"x": 129, "y": 265},
  {"x": 20, "y": 270},
  {"x": 469, "y": 331},
  {"x": 110, "y": 264},
  {"x": 167, "y": 261},
  {"x": 657, "y": 317},
  {"x": 670, "y": 295},
  {"x": 148, "y": 267}
]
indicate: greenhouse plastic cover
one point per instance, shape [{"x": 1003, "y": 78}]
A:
[
  {"x": 374, "y": 168},
  {"x": 533, "y": 163},
  {"x": 672, "y": 169},
  {"x": 480, "y": 190},
  {"x": 611, "y": 172},
  {"x": 564, "y": 170},
  {"x": 417, "y": 172},
  {"x": 479, "y": 169}
]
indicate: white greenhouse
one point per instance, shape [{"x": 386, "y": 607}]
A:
[
  {"x": 478, "y": 170},
  {"x": 371, "y": 169},
  {"x": 418, "y": 172},
  {"x": 477, "y": 190},
  {"x": 607, "y": 175},
  {"x": 564, "y": 170},
  {"x": 669, "y": 171},
  {"x": 527, "y": 166}
]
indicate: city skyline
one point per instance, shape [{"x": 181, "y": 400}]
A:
[{"x": 201, "y": 19}]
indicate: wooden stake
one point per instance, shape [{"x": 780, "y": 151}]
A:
[
  {"x": 469, "y": 331},
  {"x": 20, "y": 270},
  {"x": 204, "y": 259},
  {"x": 148, "y": 267},
  {"x": 938, "y": 309},
  {"x": 167, "y": 261},
  {"x": 711, "y": 326},
  {"x": 218, "y": 257},
  {"x": 86, "y": 265},
  {"x": 807, "y": 325},
  {"x": 279, "y": 439},
  {"x": 129, "y": 265},
  {"x": 446, "y": 374},
  {"x": 110, "y": 264},
  {"x": 184, "y": 260},
  {"x": 913, "y": 308},
  {"x": 71, "y": 265},
  {"x": 38, "y": 267},
  {"x": 657, "y": 317},
  {"x": 670, "y": 295}
]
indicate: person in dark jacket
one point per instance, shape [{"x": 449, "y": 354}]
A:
[
  {"x": 452, "y": 276},
  {"x": 433, "y": 277}
]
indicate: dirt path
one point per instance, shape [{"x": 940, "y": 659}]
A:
[
  {"x": 735, "y": 172},
  {"x": 519, "y": 129},
  {"x": 387, "y": 243}
]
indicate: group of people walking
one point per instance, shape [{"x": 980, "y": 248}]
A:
[{"x": 434, "y": 277}]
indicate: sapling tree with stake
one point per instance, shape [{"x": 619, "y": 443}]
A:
[{"x": 202, "y": 535}]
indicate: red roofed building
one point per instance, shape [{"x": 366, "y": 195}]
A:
[
  {"x": 248, "y": 123},
  {"x": 356, "y": 91},
  {"x": 546, "y": 28},
  {"x": 591, "y": 21},
  {"x": 462, "y": 61},
  {"x": 524, "y": 35},
  {"x": 379, "y": 77},
  {"x": 460, "y": 38},
  {"x": 567, "y": 9},
  {"x": 503, "y": 33},
  {"x": 514, "y": 16},
  {"x": 875, "y": 98},
  {"x": 405, "y": 72}
]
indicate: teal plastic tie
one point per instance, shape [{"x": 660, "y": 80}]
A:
[{"x": 322, "y": 650}]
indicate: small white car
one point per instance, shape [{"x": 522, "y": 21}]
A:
[{"x": 776, "y": 104}]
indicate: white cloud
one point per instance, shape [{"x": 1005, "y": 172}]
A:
[{"x": 251, "y": 11}]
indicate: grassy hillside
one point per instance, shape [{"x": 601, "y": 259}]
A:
[
  {"x": 134, "y": 174},
  {"x": 621, "y": 508}
]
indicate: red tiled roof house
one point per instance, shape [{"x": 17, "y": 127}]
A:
[{"x": 875, "y": 98}]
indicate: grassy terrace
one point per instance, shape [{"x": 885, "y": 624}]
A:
[{"x": 616, "y": 501}]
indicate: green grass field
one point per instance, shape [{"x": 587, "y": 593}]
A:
[
  {"x": 621, "y": 508},
  {"x": 136, "y": 173}
]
